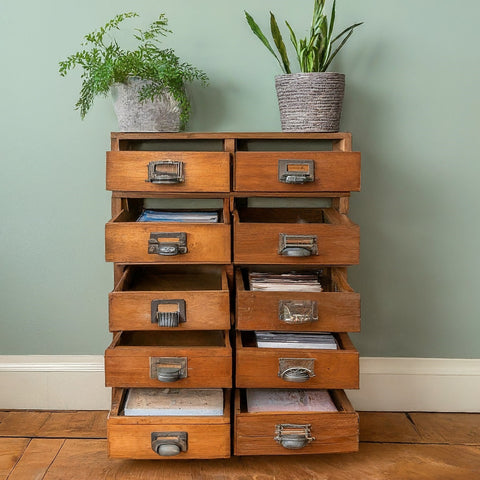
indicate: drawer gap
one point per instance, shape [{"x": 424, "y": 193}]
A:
[
  {"x": 194, "y": 338},
  {"x": 282, "y": 215},
  {"x": 172, "y": 145},
  {"x": 271, "y": 145}
]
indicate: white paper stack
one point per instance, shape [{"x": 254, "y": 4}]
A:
[
  {"x": 285, "y": 282},
  {"x": 178, "y": 216},
  {"x": 174, "y": 402},
  {"x": 283, "y": 400},
  {"x": 320, "y": 341}
]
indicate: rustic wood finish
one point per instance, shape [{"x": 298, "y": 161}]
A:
[
  {"x": 334, "y": 172},
  {"x": 130, "y": 437},
  {"x": 209, "y": 359},
  {"x": 258, "y": 367},
  {"x": 205, "y": 309},
  {"x": 203, "y": 171},
  {"x": 337, "y": 311},
  {"x": 258, "y": 243},
  {"x": 127, "y": 242},
  {"x": 333, "y": 431}
]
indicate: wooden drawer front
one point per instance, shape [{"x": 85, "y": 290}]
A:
[
  {"x": 131, "y": 359},
  {"x": 201, "y": 171},
  {"x": 337, "y": 242},
  {"x": 128, "y": 242},
  {"x": 259, "y": 367},
  {"x": 332, "y": 171},
  {"x": 134, "y": 304},
  {"x": 337, "y": 311},
  {"x": 131, "y": 437},
  {"x": 333, "y": 432}
]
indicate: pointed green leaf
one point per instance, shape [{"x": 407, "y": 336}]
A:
[
  {"x": 337, "y": 50},
  {"x": 350, "y": 28},
  {"x": 258, "y": 32},
  {"x": 277, "y": 38}
]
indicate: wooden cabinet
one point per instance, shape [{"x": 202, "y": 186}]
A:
[{"x": 182, "y": 313}]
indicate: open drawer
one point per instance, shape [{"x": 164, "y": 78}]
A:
[
  {"x": 170, "y": 297},
  {"x": 289, "y": 367},
  {"x": 188, "y": 359},
  {"x": 287, "y": 433},
  {"x": 169, "y": 172},
  {"x": 316, "y": 236},
  {"x": 335, "y": 309},
  {"x": 297, "y": 171},
  {"x": 129, "y": 241},
  {"x": 167, "y": 437}
]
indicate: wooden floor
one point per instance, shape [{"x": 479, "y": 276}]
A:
[{"x": 403, "y": 446}]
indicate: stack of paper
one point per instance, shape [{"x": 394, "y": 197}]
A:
[
  {"x": 283, "y": 400},
  {"x": 174, "y": 402},
  {"x": 291, "y": 282},
  {"x": 320, "y": 341},
  {"x": 179, "y": 216}
]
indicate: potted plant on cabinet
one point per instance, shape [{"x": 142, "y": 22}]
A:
[
  {"x": 147, "y": 83},
  {"x": 310, "y": 101}
]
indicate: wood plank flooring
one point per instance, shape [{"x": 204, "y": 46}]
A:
[{"x": 394, "y": 446}]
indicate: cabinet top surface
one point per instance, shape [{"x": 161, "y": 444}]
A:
[{"x": 233, "y": 135}]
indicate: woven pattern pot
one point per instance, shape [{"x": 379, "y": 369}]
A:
[
  {"x": 159, "y": 115},
  {"x": 310, "y": 102}
]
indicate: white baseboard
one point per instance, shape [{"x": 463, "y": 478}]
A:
[{"x": 74, "y": 382}]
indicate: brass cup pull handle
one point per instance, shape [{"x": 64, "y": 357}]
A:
[
  {"x": 296, "y": 172},
  {"x": 171, "y": 318},
  {"x": 167, "y": 243},
  {"x": 296, "y": 374},
  {"x": 297, "y": 312},
  {"x": 165, "y": 172},
  {"x": 293, "y": 437},
  {"x": 169, "y": 444},
  {"x": 297, "y": 245}
]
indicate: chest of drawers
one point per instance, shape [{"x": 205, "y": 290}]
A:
[{"x": 182, "y": 313}]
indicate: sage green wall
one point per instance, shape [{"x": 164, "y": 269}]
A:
[{"x": 412, "y": 105}]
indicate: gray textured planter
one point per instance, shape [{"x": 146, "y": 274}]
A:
[
  {"x": 161, "y": 115},
  {"x": 310, "y": 102}
]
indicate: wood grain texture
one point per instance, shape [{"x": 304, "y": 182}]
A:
[
  {"x": 258, "y": 367},
  {"x": 87, "y": 460},
  {"x": 203, "y": 171},
  {"x": 333, "y": 172},
  {"x": 127, "y": 242},
  {"x": 11, "y": 449},
  {"x": 451, "y": 428},
  {"x": 337, "y": 311},
  {"x": 36, "y": 459},
  {"x": 258, "y": 243},
  {"x": 387, "y": 427},
  {"x": 208, "y": 366},
  {"x": 21, "y": 423}
]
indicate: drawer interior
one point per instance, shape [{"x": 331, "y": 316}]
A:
[
  {"x": 282, "y": 215},
  {"x": 207, "y": 338},
  {"x": 133, "y": 208},
  {"x": 148, "y": 278},
  {"x": 248, "y": 340}
]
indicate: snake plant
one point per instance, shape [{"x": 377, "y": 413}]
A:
[{"x": 314, "y": 53}]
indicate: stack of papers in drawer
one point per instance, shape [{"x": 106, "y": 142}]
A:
[
  {"x": 289, "y": 282},
  {"x": 174, "y": 402},
  {"x": 282, "y": 400},
  {"x": 296, "y": 340},
  {"x": 172, "y": 216}
]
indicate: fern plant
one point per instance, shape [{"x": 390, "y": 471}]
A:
[
  {"x": 104, "y": 62},
  {"x": 314, "y": 53}
]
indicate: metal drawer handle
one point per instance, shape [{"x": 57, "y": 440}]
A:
[
  {"x": 296, "y": 171},
  {"x": 158, "y": 246},
  {"x": 165, "y": 172},
  {"x": 168, "y": 444},
  {"x": 297, "y": 245},
  {"x": 292, "y": 436},
  {"x": 168, "y": 319},
  {"x": 295, "y": 312},
  {"x": 168, "y": 369},
  {"x": 296, "y": 370}
]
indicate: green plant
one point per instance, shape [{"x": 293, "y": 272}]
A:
[
  {"x": 104, "y": 63},
  {"x": 314, "y": 53}
]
